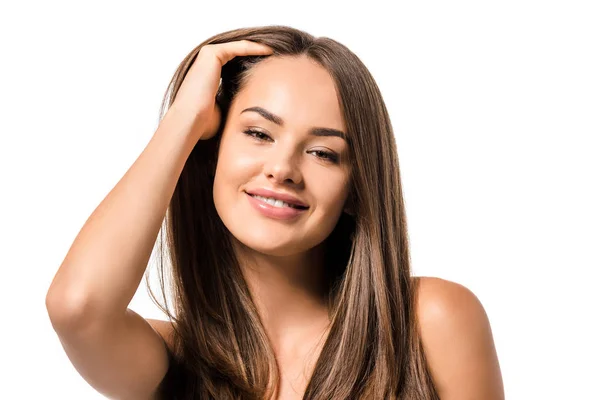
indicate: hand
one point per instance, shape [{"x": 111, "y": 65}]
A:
[{"x": 195, "y": 99}]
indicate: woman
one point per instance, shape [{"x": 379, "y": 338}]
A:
[{"x": 288, "y": 243}]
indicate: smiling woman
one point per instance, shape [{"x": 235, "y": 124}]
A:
[{"x": 288, "y": 243}]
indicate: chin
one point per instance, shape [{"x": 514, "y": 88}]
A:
[{"x": 267, "y": 240}]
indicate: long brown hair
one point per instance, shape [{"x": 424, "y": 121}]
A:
[{"x": 221, "y": 349}]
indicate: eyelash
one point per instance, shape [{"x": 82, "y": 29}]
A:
[{"x": 328, "y": 155}]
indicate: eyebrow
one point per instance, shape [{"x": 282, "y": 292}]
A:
[{"x": 316, "y": 131}]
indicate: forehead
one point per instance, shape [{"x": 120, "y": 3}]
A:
[{"x": 296, "y": 88}]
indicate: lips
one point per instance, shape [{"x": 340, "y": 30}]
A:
[
  {"x": 288, "y": 198},
  {"x": 282, "y": 214}
]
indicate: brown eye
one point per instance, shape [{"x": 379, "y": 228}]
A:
[
  {"x": 326, "y": 155},
  {"x": 258, "y": 135},
  {"x": 261, "y": 136}
]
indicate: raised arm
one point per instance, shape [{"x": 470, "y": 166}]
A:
[{"x": 114, "y": 349}]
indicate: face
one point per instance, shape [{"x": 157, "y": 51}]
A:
[{"x": 284, "y": 156}]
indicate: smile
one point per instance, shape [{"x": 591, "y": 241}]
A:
[
  {"x": 276, "y": 203},
  {"x": 276, "y": 209}
]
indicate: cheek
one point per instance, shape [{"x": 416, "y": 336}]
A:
[
  {"x": 230, "y": 159},
  {"x": 234, "y": 169},
  {"x": 234, "y": 156},
  {"x": 332, "y": 190}
]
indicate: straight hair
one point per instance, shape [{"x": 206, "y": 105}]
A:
[{"x": 221, "y": 349}]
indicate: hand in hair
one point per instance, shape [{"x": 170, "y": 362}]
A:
[{"x": 195, "y": 98}]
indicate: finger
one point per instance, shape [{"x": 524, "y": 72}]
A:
[{"x": 227, "y": 51}]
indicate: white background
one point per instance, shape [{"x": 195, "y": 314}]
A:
[{"x": 496, "y": 111}]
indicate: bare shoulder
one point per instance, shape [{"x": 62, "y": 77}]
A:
[
  {"x": 457, "y": 340},
  {"x": 164, "y": 329}
]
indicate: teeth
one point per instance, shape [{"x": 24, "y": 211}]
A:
[{"x": 274, "y": 202}]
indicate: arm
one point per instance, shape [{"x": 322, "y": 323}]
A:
[
  {"x": 108, "y": 258},
  {"x": 113, "y": 348}
]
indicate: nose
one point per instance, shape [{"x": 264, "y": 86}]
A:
[{"x": 280, "y": 166}]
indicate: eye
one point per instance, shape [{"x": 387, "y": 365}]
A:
[
  {"x": 258, "y": 135},
  {"x": 325, "y": 155}
]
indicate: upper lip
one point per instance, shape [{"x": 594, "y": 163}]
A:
[{"x": 288, "y": 198}]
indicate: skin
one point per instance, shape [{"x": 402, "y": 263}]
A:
[
  {"x": 458, "y": 342},
  {"x": 283, "y": 260},
  {"x": 456, "y": 336}
]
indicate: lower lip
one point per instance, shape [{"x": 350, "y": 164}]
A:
[{"x": 274, "y": 212}]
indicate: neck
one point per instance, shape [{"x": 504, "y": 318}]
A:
[{"x": 289, "y": 292}]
